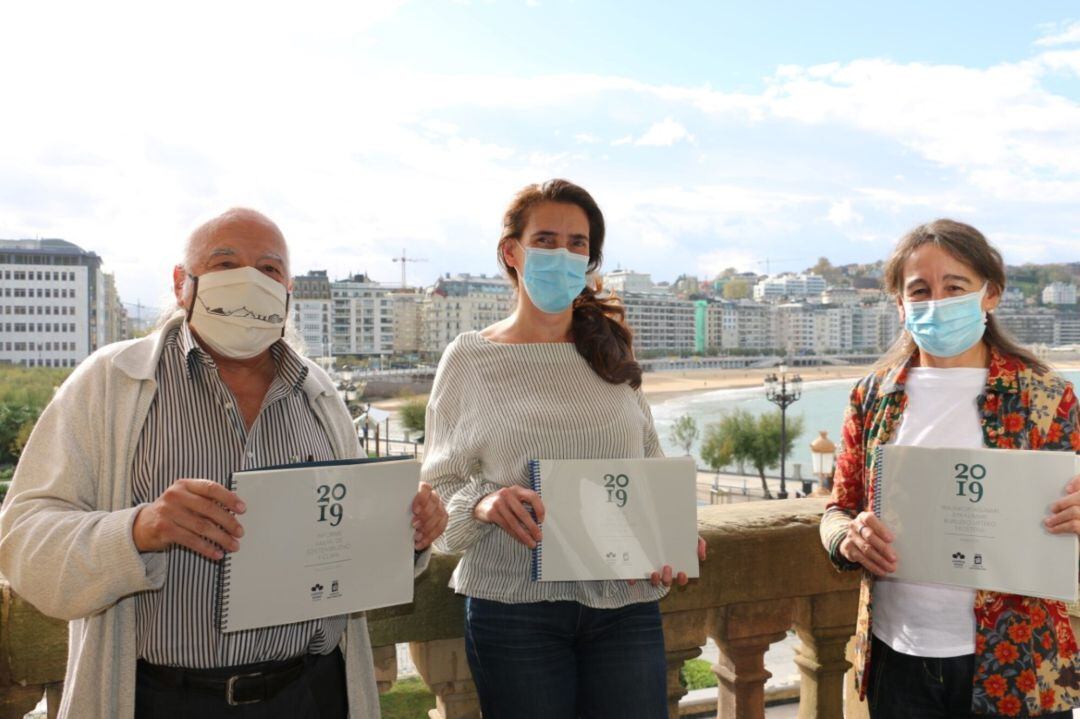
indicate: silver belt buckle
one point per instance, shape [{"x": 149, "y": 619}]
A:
[{"x": 231, "y": 684}]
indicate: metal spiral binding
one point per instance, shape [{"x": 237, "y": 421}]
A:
[
  {"x": 221, "y": 608},
  {"x": 879, "y": 475},
  {"x": 538, "y": 553}
]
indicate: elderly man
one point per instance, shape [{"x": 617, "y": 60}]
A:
[{"x": 118, "y": 513}]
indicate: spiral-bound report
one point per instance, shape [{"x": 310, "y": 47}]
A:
[
  {"x": 615, "y": 518},
  {"x": 320, "y": 540},
  {"x": 974, "y": 518}
]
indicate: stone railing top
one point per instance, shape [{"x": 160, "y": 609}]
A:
[{"x": 756, "y": 551}]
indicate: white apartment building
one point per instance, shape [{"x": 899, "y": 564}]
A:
[
  {"x": 52, "y": 303},
  {"x": 847, "y": 296},
  {"x": 1059, "y": 293},
  {"x": 661, "y": 322},
  {"x": 804, "y": 328},
  {"x": 1068, "y": 329},
  {"x": 747, "y": 325},
  {"x": 788, "y": 286},
  {"x": 311, "y": 307},
  {"x": 462, "y": 303},
  {"x": 1012, "y": 297},
  {"x": 408, "y": 321},
  {"x": 362, "y": 316},
  {"x": 623, "y": 281}
]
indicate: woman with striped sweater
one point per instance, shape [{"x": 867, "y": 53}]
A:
[{"x": 556, "y": 379}]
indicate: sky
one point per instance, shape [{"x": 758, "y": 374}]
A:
[{"x": 713, "y": 134}]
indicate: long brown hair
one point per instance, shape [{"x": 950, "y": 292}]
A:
[
  {"x": 969, "y": 246},
  {"x": 599, "y": 327}
]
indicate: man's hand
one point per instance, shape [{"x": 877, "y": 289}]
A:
[
  {"x": 194, "y": 513},
  {"x": 429, "y": 517}
]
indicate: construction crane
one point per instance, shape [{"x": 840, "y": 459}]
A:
[
  {"x": 403, "y": 259},
  {"x": 768, "y": 261}
]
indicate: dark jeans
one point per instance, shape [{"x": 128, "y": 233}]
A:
[
  {"x": 561, "y": 660},
  {"x": 317, "y": 694},
  {"x": 901, "y": 686}
]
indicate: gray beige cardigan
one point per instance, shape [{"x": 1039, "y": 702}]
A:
[{"x": 65, "y": 529}]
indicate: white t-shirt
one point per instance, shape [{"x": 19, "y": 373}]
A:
[{"x": 932, "y": 620}]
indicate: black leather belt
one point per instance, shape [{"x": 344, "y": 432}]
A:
[{"x": 246, "y": 684}]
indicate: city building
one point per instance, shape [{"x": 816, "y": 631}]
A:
[
  {"x": 788, "y": 287},
  {"x": 362, "y": 317},
  {"x": 462, "y": 303},
  {"x": 746, "y": 325},
  {"x": 52, "y": 303},
  {"x": 805, "y": 328},
  {"x": 1068, "y": 329},
  {"x": 622, "y": 281},
  {"x": 1059, "y": 293},
  {"x": 1029, "y": 326},
  {"x": 312, "y": 309},
  {"x": 116, "y": 322},
  {"x": 408, "y": 321},
  {"x": 1012, "y": 297},
  {"x": 661, "y": 321}
]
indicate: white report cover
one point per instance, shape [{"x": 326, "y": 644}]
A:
[
  {"x": 974, "y": 518},
  {"x": 615, "y": 518},
  {"x": 319, "y": 540}
]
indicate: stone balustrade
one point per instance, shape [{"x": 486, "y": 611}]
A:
[{"x": 765, "y": 573}]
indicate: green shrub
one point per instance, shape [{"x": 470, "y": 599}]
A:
[
  {"x": 408, "y": 699},
  {"x": 697, "y": 674},
  {"x": 412, "y": 413}
]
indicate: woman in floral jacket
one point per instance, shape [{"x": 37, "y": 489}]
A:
[{"x": 953, "y": 379}]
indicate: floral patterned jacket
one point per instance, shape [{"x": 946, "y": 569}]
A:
[{"x": 1026, "y": 655}]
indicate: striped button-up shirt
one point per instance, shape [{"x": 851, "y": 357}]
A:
[{"x": 195, "y": 430}]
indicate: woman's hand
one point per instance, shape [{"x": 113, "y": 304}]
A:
[
  {"x": 868, "y": 543},
  {"x": 664, "y": 576},
  {"x": 1065, "y": 513},
  {"x": 509, "y": 509},
  {"x": 429, "y": 517}
]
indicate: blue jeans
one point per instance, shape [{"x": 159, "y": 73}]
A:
[{"x": 563, "y": 660}]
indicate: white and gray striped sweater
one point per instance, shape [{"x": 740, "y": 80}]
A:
[{"x": 495, "y": 406}]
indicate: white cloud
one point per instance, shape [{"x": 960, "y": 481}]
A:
[
  {"x": 715, "y": 262},
  {"x": 1068, "y": 35},
  {"x": 843, "y": 213},
  {"x": 664, "y": 134}
]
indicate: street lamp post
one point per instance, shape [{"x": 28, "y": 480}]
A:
[
  {"x": 777, "y": 392},
  {"x": 823, "y": 455}
]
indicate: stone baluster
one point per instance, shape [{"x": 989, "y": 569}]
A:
[
  {"x": 33, "y": 653},
  {"x": 825, "y": 623},
  {"x": 443, "y": 666},
  {"x": 386, "y": 668},
  {"x": 684, "y": 635},
  {"x": 743, "y": 632}
]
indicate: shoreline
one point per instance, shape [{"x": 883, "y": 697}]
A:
[{"x": 672, "y": 384}]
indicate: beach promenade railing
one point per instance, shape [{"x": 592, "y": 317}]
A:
[{"x": 765, "y": 573}]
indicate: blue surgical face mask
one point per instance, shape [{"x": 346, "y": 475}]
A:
[
  {"x": 553, "y": 278},
  {"x": 946, "y": 328}
]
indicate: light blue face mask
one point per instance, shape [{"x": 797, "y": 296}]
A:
[
  {"x": 946, "y": 328},
  {"x": 553, "y": 278}
]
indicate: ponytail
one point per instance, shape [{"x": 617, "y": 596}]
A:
[{"x": 603, "y": 338}]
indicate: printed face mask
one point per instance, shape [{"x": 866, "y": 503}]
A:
[
  {"x": 553, "y": 278},
  {"x": 946, "y": 328},
  {"x": 238, "y": 313}
]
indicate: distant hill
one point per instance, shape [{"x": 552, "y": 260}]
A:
[{"x": 1030, "y": 278}]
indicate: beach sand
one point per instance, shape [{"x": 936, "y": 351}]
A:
[{"x": 668, "y": 384}]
